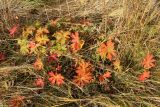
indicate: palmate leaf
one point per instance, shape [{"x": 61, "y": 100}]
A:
[
  {"x": 104, "y": 76},
  {"x": 38, "y": 64},
  {"x": 42, "y": 31},
  {"x": 83, "y": 79},
  {"x": 84, "y": 74},
  {"x": 13, "y": 30},
  {"x": 28, "y": 31},
  {"x": 117, "y": 65},
  {"x": 102, "y": 50},
  {"x": 23, "y": 46},
  {"x": 33, "y": 47},
  {"x": 24, "y": 50},
  {"x": 148, "y": 62},
  {"x": 61, "y": 37},
  {"x": 77, "y": 44},
  {"x": 106, "y": 50},
  {"x": 39, "y": 82},
  {"x": 42, "y": 49},
  {"x": 110, "y": 50},
  {"x": 55, "y": 78},
  {"x": 58, "y": 49},
  {"x": 16, "y": 101},
  {"x": 144, "y": 76},
  {"x": 22, "y": 41},
  {"x": 42, "y": 39}
]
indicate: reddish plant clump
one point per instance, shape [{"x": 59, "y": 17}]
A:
[
  {"x": 59, "y": 68},
  {"x": 39, "y": 82},
  {"x": 2, "y": 56},
  {"x": 13, "y": 30},
  {"x": 84, "y": 74},
  {"x": 81, "y": 79},
  {"x": 38, "y": 65},
  {"x": 16, "y": 101},
  {"x": 55, "y": 78},
  {"x": 148, "y": 62},
  {"x": 53, "y": 57},
  {"x": 76, "y": 42},
  {"x": 104, "y": 76},
  {"x": 106, "y": 50},
  {"x": 144, "y": 76}
]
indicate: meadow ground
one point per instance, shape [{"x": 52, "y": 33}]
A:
[{"x": 79, "y": 53}]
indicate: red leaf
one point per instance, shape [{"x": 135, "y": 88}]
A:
[
  {"x": 58, "y": 68},
  {"x": 144, "y": 76},
  {"x": 13, "y": 30},
  {"x": 53, "y": 57},
  {"x": 16, "y": 101},
  {"x": 104, "y": 76},
  {"x": 2, "y": 56},
  {"x": 39, "y": 82}
]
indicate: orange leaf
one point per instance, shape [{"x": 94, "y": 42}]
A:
[
  {"x": 76, "y": 42},
  {"x": 145, "y": 75},
  {"x": 104, "y": 76},
  {"x": 38, "y": 65},
  {"x": 148, "y": 62},
  {"x": 84, "y": 75},
  {"x": 102, "y": 50},
  {"x": 32, "y": 44},
  {"x": 106, "y": 50},
  {"x": 32, "y": 47},
  {"x": 110, "y": 50},
  {"x": 83, "y": 78},
  {"x": 41, "y": 31},
  {"x": 54, "y": 22},
  {"x": 56, "y": 78},
  {"x": 75, "y": 37},
  {"x": 107, "y": 75},
  {"x": 84, "y": 67}
]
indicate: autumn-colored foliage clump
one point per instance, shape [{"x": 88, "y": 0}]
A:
[
  {"x": 84, "y": 74},
  {"x": 147, "y": 63},
  {"x": 106, "y": 50},
  {"x": 16, "y": 101},
  {"x": 55, "y": 78},
  {"x": 104, "y": 76},
  {"x": 51, "y": 48}
]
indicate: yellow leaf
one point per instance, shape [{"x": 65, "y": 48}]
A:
[
  {"x": 61, "y": 37},
  {"x": 42, "y": 39},
  {"x": 117, "y": 65}
]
